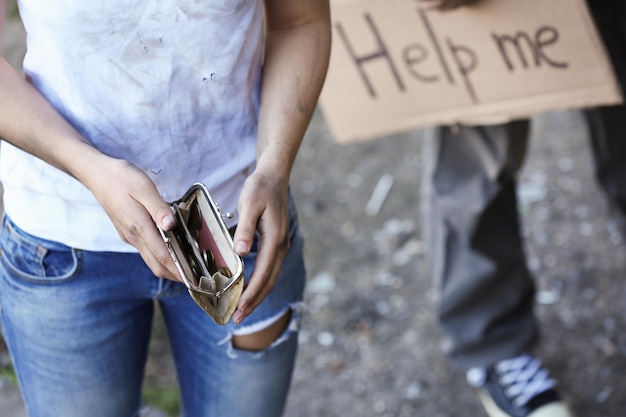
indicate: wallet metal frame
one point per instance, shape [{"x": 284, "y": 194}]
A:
[{"x": 203, "y": 251}]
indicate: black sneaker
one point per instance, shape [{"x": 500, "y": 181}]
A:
[{"x": 518, "y": 387}]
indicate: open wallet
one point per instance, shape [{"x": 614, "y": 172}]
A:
[{"x": 203, "y": 251}]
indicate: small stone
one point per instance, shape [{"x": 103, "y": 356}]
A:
[
  {"x": 325, "y": 339},
  {"x": 380, "y": 406},
  {"x": 322, "y": 283},
  {"x": 547, "y": 297},
  {"x": 413, "y": 391},
  {"x": 604, "y": 395}
]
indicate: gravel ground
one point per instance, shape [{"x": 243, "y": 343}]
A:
[{"x": 370, "y": 345}]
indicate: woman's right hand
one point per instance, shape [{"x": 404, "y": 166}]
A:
[{"x": 134, "y": 205}]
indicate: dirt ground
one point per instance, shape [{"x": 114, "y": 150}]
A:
[{"x": 370, "y": 345}]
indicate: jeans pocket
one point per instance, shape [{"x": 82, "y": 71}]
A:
[{"x": 36, "y": 260}]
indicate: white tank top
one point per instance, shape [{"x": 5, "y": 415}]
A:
[{"x": 169, "y": 85}]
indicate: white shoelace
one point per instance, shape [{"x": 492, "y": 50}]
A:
[{"x": 522, "y": 378}]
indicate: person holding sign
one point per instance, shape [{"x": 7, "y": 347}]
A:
[
  {"x": 487, "y": 290},
  {"x": 123, "y": 106}
]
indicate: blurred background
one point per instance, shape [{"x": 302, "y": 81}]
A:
[{"x": 369, "y": 344}]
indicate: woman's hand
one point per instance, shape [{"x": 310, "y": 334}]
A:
[
  {"x": 264, "y": 211},
  {"x": 297, "y": 51},
  {"x": 135, "y": 206}
]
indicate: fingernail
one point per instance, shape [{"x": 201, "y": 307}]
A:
[
  {"x": 167, "y": 222},
  {"x": 237, "y": 317},
  {"x": 241, "y": 247}
]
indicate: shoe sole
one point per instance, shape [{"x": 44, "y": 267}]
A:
[{"x": 549, "y": 410}]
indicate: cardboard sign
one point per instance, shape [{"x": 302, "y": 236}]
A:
[{"x": 396, "y": 66}]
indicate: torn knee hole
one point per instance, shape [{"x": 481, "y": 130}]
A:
[{"x": 263, "y": 338}]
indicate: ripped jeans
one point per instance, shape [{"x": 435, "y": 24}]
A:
[{"x": 78, "y": 323}]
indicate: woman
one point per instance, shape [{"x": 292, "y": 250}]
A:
[{"x": 123, "y": 106}]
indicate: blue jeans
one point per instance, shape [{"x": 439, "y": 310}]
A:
[{"x": 77, "y": 325}]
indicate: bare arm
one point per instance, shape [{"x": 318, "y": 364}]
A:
[
  {"x": 28, "y": 121},
  {"x": 296, "y": 61}
]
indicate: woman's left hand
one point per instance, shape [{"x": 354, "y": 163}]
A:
[{"x": 264, "y": 211}]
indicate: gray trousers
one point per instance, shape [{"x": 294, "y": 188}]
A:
[
  {"x": 472, "y": 229},
  {"x": 471, "y": 218}
]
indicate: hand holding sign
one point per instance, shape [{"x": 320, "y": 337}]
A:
[{"x": 444, "y": 5}]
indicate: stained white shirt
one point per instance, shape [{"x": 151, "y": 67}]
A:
[{"x": 169, "y": 85}]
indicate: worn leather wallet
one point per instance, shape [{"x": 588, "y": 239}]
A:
[{"x": 203, "y": 251}]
